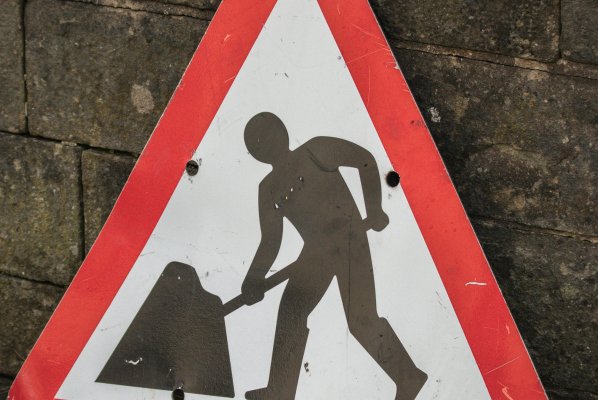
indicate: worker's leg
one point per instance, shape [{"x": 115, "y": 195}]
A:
[
  {"x": 374, "y": 333},
  {"x": 301, "y": 295}
]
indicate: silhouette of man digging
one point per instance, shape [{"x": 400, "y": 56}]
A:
[{"x": 306, "y": 187}]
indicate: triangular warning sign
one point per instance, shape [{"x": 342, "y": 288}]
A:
[{"x": 274, "y": 169}]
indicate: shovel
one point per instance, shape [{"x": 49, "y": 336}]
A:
[{"x": 178, "y": 339}]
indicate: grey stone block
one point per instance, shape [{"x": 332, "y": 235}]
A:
[
  {"x": 104, "y": 176},
  {"x": 5, "y": 383},
  {"x": 570, "y": 394},
  {"x": 519, "y": 144},
  {"x": 26, "y": 307},
  {"x": 579, "y": 40},
  {"x": 202, "y": 9},
  {"x": 528, "y": 29},
  {"x": 203, "y": 4},
  {"x": 40, "y": 227},
  {"x": 12, "y": 83},
  {"x": 549, "y": 283},
  {"x": 101, "y": 75}
]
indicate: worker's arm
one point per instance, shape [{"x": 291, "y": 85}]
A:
[
  {"x": 271, "y": 220},
  {"x": 332, "y": 153}
]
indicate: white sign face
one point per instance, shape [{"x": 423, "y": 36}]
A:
[{"x": 295, "y": 71}]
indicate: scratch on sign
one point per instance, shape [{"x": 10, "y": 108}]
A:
[
  {"x": 506, "y": 393},
  {"x": 503, "y": 365},
  {"x": 474, "y": 283}
]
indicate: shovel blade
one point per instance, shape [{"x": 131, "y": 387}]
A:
[{"x": 176, "y": 340}]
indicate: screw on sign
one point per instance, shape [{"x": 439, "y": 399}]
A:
[{"x": 276, "y": 234}]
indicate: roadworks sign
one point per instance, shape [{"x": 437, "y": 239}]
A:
[{"x": 289, "y": 232}]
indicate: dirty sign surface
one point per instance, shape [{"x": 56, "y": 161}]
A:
[{"x": 287, "y": 262}]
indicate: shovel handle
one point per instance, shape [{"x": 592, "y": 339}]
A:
[
  {"x": 277, "y": 278},
  {"x": 270, "y": 282}
]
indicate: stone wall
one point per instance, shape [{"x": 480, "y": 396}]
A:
[{"x": 508, "y": 89}]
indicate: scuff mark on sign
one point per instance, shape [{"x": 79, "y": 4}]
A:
[
  {"x": 364, "y": 55},
  {"x": 506, "y": 393},
  {"x": 502, "y": 365},
  {"x": 134, "y": 362},
  {"x": 505, "y": 390},
  {"x": 440, "y": 300},
  {"x": 474, "y": 283},
  {"x": 360, "y": 29},
  {"x": 108, "y": 328}
]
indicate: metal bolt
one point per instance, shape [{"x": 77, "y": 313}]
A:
[
  {"x": 393, "y": 179},
  {"x": 178, "y": 394},
  {"x": 192, "y": 167}
]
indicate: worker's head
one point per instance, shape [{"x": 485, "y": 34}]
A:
[{"x": 266, "y": 138}]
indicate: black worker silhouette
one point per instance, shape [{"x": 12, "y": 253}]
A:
[
  {"x": 178, "y": 340},
  {"x": 306, "y": 187}
]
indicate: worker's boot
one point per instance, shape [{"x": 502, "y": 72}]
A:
[
  {"x": 396, "y": 362},
  {"x": 285, "y": 369},
  {"x": 259, "y": 394},
  {"x": 410, "y": 384},
  {"x": 381, "y": 342}
]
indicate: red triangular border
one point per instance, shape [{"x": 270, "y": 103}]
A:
[{"x": 499, "y": 352}]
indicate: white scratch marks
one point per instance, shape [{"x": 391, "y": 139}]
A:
[
  {"x": 366, "y": 32},
  {"x": 365, "y": 55},
  {"x": 502, "y": 365},
  {"x": 134, "y": 362},
  {"x": 474, "y": 283},
  {"x": 230, "y": 79},
  {"x": 392, "y": 64},
  {"x": 505, "y": 391}
]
